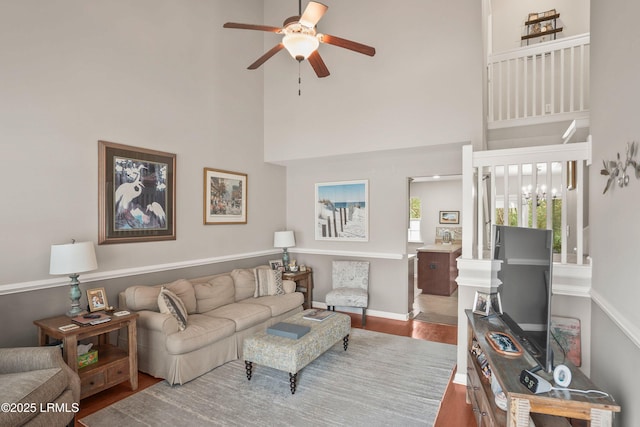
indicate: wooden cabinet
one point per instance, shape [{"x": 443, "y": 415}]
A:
[
  {"x": 485, "y": 365},
  {"x": 437, "y": 270},
  {"x": 114, "y": 364}
]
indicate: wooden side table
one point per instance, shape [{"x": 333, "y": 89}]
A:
[
  {"x": 114, "y": 365},
  {"x": 304, "y": 283}
]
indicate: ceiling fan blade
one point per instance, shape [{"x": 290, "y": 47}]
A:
[
  {"x": 277, "y": 48},
  {"x": 318, "y": 64},
  {"x": 312, "y": 14},
  {"x": 347, "y": 44},
  {"x": 239, "y": 26}
]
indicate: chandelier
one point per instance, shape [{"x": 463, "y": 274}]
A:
[{"x": 540, "y": 194}]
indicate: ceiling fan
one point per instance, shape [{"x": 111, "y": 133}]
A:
[{"x": 301, "y": 38}]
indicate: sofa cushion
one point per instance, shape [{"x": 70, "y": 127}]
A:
[
  {"x": 142, "y": 298},
  {"x": 146, "y": 297},
  {"x": 277, "y": 304},
  {"x": 43, "y": 385},
  {"x": 244, "y": 315},
  {"x": 202, "y": 331},
  {"x": 170, "y": 303},
  {"x": 218, "y": 291},
  {"x": 268, "y": 282},
  {"x": 244, "y": 281}
]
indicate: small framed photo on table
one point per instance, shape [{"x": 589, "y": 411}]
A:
[
  {"x": 97, "y": 299},
  {"x": 486, "y": 304},
  {"x": 276, "y": 264}
]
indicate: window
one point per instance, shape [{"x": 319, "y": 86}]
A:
[{"x": 415, "y": 214}]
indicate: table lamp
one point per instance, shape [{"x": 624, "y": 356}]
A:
[
  {"x": 71, "y": 259},
  {"x": 284, "y": 240}
]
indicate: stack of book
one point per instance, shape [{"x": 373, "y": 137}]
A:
[{"x": 318, "y": 315}]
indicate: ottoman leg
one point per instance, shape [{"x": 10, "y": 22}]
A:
[
  {"x": 248, "y": 367},
  {"x": 292, "y": 382},
  {"x": 345, "y": 342}
]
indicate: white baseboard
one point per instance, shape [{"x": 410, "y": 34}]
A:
[{"x": 369, "y": 312}]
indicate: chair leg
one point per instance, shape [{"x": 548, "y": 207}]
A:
[{"x": 364, "y": 316}]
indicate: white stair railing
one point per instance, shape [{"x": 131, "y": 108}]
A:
[
  {"x": 548, "y": 82},
  {"x": 518, "y": 183}
]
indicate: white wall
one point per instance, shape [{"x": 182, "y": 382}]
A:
[
  {"x": 158, "y": 74},
  {"x": 436, "y": 196},
  {"x": 509, "y": 17},
  {"x": 423, "y": 86},
  {"x": 615, "y": 67}
]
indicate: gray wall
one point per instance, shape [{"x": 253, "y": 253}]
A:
[
  {"x": 615, "y": 67},
  {"x": 387, "y": 173},
  {"x": 509, "y": 17},
  {"x": 398, "y": 98},
  {"x": 153, "y": 74}
]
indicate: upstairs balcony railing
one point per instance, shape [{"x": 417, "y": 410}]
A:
[
  {"x": 537, "y": 187},
  {"x": 548, "y": 81}
]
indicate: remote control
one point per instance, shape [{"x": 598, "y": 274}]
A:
[
  {"x": 99, "y": 321},
  {"x": 91, "y": 316},
  {"x": 68, "y": 327}
]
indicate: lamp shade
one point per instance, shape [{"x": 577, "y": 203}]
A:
[
  {"x": 284, "y": 239},
  {"x": 72, "y": 258}
]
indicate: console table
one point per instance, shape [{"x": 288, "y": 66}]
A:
[
  {"x": 551, "y": 408},
  {"x": 304, "y": 284},
  {"x": 114, "y": 365}
]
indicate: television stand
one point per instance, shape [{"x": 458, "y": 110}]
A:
[{"x": 547, "y": 409}]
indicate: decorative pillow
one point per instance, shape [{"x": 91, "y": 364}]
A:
[
  {"x": 268, "y": 282},
  {"x": 171, "y": 304}
]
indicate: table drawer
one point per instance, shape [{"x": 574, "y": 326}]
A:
[
  {"x": 92, "y": 382},
  {"x": 118, "y": 373}
]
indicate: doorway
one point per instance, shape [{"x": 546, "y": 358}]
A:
[{"x": 428, "y": 198}]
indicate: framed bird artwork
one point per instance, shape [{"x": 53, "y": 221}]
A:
[{"x": 136, "y": 194}]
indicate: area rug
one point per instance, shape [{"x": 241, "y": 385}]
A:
[{"x": 381, "y": 380}]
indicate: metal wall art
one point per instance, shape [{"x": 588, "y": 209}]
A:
[{"x": 616, "y": 170}]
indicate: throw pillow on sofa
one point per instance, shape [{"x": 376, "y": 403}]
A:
[
  {"x": 268, "y": 282},
  {"x": 169, "y": 303}
]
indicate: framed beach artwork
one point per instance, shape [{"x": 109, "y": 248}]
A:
[
  {"x": 136, "y": 194},
  {"x": 225, "y": 197},
  {"x": 342, "y": 211},
  {"x": 449, "y": 217}
]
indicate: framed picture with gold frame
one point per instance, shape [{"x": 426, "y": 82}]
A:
[
  {"x": 225, "y": 197},
  {"x": 97, "y": 299}
]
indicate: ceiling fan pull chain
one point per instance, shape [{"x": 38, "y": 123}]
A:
[{"x": 299, "y": 80}]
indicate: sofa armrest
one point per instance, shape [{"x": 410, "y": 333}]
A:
[
  {"x": 155, "y": 321},
  {"x": 23, "y": 359},
  {"x": 289, "y": 286}
]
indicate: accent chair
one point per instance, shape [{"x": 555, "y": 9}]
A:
[{"x": 350, "y": 281}]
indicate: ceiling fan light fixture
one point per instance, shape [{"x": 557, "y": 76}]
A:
[{"x": 300, "y": 45}]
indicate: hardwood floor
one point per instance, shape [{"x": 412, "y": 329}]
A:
[{"x": 453, "y": 410}]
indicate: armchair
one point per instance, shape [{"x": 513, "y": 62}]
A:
[
  {"x": 350, "y": 281},
  {"x": 35, "y": 377}
]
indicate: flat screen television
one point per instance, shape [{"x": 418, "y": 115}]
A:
[{"x": 525, "y": 291}]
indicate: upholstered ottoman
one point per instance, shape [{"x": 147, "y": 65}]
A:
[{"x": 291, "y": 355}]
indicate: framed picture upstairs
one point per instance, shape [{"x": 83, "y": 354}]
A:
[{"x": 136, "y": 194}]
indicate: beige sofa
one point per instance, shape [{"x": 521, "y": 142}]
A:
[{"x": 222, "y": 310}]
